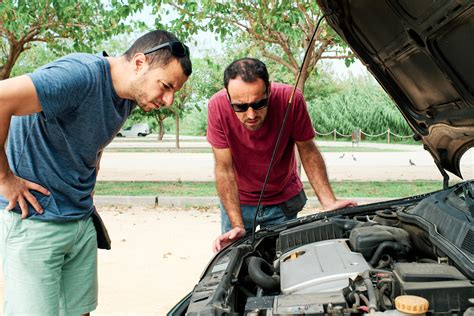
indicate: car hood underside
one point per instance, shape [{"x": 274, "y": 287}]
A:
[{"x": 421, "y": 54}]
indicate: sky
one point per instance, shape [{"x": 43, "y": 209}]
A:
[{"x": 342, "y": 71}]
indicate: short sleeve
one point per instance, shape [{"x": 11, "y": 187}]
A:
[
  {"x": 215, "y": 130},
  {"x": 302, "y": 127},
  {"x": 60, "y": 85}
]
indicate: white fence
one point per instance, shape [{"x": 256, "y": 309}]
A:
[{"x": 356, "y": 135}]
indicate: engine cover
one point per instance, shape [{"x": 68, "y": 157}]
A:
[{"x": 320, "y": 267}]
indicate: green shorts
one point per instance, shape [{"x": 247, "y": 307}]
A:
[{"x": 49, "y": 268}]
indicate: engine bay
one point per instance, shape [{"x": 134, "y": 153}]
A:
[{"x": 415, "y": 257}]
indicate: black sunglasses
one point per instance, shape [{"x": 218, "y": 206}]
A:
[
  {"x": 176, "y": 48},
  {"x": 243, "y": 107}
]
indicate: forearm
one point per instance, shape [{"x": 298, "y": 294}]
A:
[
  {"x": 4, "y": 126},
  {"x": 4, "y": 167},
  {"x": 315, "y": 169},
  {"x": 228, "y": 192}
]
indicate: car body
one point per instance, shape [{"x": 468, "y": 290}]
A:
[
  {"x": 408, "y": 256},
  {"x": 139, "y": 129}
]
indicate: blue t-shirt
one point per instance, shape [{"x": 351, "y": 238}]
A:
[{"x": 59, "y": 147}]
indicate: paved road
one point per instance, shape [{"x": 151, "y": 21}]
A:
[{"x": 164, "y": 166}]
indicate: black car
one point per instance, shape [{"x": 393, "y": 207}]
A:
[{"x": 408, "y": 256}]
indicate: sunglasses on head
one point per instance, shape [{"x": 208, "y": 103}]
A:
[{"x": 176, "y": 48}]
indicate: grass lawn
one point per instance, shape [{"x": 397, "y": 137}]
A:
[{"x": 386, "y": 189}]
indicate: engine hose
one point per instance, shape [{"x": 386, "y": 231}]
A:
[
  {"x": 354, "y": 297},
  {"x": 370, "y": 291},
  {"x": 364, "y": 299},
  {"x": 382, "y": 294},
  {"x": 390, "y": 273},
  {"x": 383, "y": 262},
  {"x": 259, "y": 271},
  {"x": 383, "y": 247}
]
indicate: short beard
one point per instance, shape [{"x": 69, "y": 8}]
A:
[{"x": 138, "y": 94}]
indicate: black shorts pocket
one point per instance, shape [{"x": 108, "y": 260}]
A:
[
  {"x": 103, "y": 239},
  {"x": 295, "y": 204}
]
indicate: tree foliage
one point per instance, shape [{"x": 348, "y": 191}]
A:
[
  {"x": 281, "y": 30},
  {"x": 63, "y": 25},
  {"x": 355, "y": 103}
]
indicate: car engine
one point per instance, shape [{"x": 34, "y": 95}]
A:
[
  {"x": 327, "y": 276},
  {"x": 414, "y": 257}
]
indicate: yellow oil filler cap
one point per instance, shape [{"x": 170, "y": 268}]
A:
[{"x": 411, "y": 304}]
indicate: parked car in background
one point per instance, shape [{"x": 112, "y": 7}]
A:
[
  {"x": 413, "y": 255},
  {"x": 140, "y": 129}
]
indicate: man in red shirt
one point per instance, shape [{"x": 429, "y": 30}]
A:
[{"x": 243, "y": 124}]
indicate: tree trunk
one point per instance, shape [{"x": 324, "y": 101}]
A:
[
  {"x": 301, "y": 83},
  {"x": 161, "y": 132},
  {"x": 176, "y": 116},
  {"x": 13, "y": 55},
  {"x": 303, "y": 77},
  {"x": 160, "y": 120},
  {"x": 177, "y": 131},
  {"x": 300, "y": 86}
]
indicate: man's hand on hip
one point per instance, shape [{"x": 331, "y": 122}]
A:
[
  {"x": 17, "y": 190},
  {"x": 227, "y": 238}
]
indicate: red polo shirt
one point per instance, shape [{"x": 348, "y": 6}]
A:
[{"x": 252, "y": 150}]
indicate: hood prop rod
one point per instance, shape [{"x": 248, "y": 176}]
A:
[
  {"x": 290, "y": 102},
  {"x": 444, "y": 174}
]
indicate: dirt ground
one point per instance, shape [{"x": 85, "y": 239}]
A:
[{"x": 157, "y": 257}]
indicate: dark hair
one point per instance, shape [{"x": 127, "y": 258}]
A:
[
  {"x": 162, "y": 56},
  {"x": 248, "y": 69}
]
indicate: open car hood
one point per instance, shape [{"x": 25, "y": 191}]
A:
[{"x": 421, "y": 52}]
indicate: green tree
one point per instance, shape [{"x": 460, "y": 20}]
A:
[
  {"x": 64, "y": 26},
  {"x": 280, "y": 30},
  {"x": 207, "y": 78}
]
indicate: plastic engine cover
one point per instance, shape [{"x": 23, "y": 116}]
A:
[{"x": 320, "y": 267}]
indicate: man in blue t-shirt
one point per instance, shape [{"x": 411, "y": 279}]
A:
[{"x": 58, "y": 120}]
